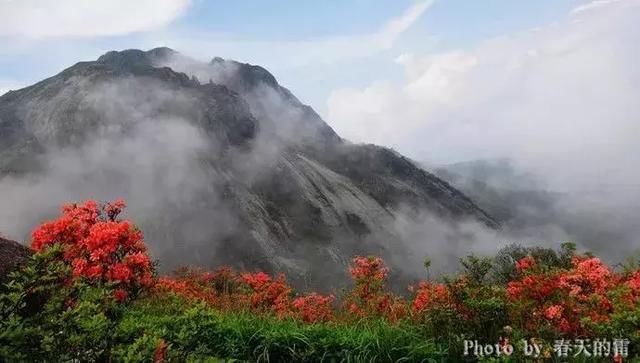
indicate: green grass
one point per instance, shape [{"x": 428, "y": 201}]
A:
[{"x": 198, "y": 333}]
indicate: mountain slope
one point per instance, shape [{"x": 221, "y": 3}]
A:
[
  {"x": 219, "y": 162},
  {"x": 12, "y": 255}
]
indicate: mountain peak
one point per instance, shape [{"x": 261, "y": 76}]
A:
[
  {"x": 244, "y": 77},
  {"x": 136, "y": 57}
]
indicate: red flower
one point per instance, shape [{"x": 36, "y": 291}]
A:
[
  {"x": 431, "y": 295},
  {"x": 313, "y": 308},
  {"x": 553, "y": 312},
  {"x": 137, "y": 259},
  {"x": 120, "y": 295},
  {"x": 267, "y": 293},
  {"x": 559, "y": 299},
  {"x": 94, "y": 272},
  {"x": 114, "y": 208},
  {"x": 120, "y": 272},
  {"x": 368, "y": 268},
  {"x": 160, "y": 352},
  {"x": 525, "y": 263},
  {"x": 368, "y": 297},
  {"x": 79, "y": 266}
]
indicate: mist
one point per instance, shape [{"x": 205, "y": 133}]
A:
[
  {"x": 559, "y": 102},
  {"x": 137, "y": 151}
]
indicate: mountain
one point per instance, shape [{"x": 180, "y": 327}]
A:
[
  {"x": 510, "y": 195},
  {"x": 220, "y": 165}
]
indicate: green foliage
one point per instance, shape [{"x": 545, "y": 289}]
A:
[
  {"x": 45, "y": 317},
  {"x": 141, "y": 349},
  {"x": 476, "y": 268},
  {"x": 632, "y": 262},
  {"x": 28, "y": 303},
  {"x": 427, "y": 267},
  {"x": 503, "y": 267}
]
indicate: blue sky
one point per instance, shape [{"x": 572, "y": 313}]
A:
[{"x": 456, "y": 21}]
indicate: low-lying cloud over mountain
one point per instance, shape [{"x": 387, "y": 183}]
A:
[
  {"x": 559, "y": 101},
  {"x": 220, "y": 164}
]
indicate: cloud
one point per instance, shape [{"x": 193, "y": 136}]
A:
[
  {"x": 395, "y": 27},
  {"x": 85, "y": 19},
  {"x": 592, "y": 5},
  {"x": 560, "y": 100}
]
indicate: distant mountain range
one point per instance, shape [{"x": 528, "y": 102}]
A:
[
  {"x": 511, "y": 196},
  {"x": 597, "y": 220},
  {"x": 220, "y": 165}
]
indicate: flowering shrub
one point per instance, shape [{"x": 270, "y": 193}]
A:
[
  {"x": 229, "y": 291},
  {"x": 192, "y": 285},
  {"x": 431, "y": 296},
  {"x": 558, "y": 300},
  {"x": 267, "y": 294},
  {"x": 98, "y": 246},
  {"x": 313, "y": 308},
  {"x": 525, "y": 263},
  {"x": 368, "y": 297}
]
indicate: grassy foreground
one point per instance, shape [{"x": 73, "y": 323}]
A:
[{"x": 197, "y": 333}]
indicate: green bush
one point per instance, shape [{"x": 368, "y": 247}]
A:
[{"x": 46, "y": 317}]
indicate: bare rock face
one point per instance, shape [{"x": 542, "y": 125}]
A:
[
  {"x": 219, "y": 163},
  {"x": 12, "y": 256}
]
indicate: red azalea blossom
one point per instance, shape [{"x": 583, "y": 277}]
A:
[
  {"x": 553, "y": 312},
  {"x": 431, "y": 295},
  {"x": 98, "y": 246},
  {"x": 120, "y": 295},
  {"x": 368, "y": 268},
  {"x": 563, "y": 297},
  {"x": 313, "y": 308},
  {"x": 368, "y": 297},
  {"x": 525, "y": 263},
  {"x": 267, "y": 293}
]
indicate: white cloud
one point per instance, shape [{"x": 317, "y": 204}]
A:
[
  {"x": 561, "y": 100},
  {"x": 394, "y": 28},
  {"x": 592, "y": 5},
  {"x": 84, "y": 19}
]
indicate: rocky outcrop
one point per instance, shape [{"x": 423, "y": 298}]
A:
[{"x": 12, "y": 256}]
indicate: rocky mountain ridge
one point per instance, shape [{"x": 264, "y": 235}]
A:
[{"x": 232, "y": 169}]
